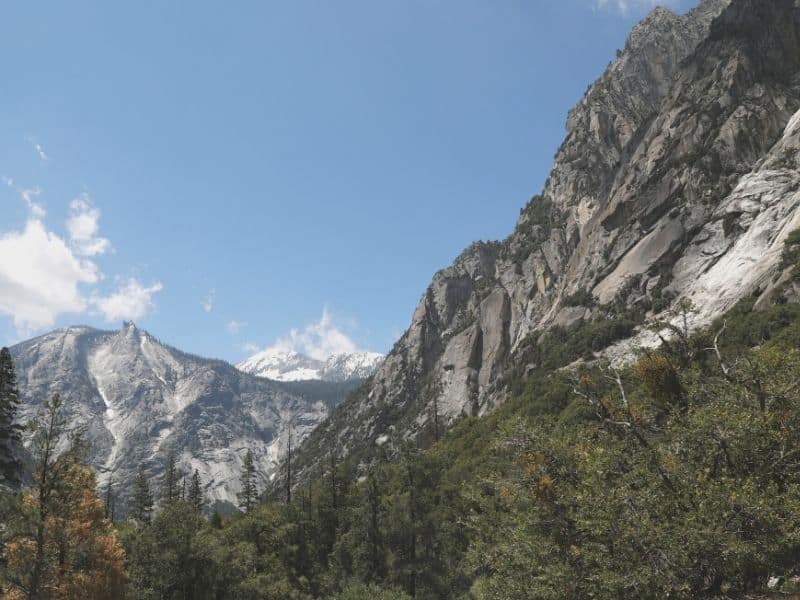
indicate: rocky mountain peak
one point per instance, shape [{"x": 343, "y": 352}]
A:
[
  {"x": 139, "y": 400},
  {"x": 676, "y": 180}
]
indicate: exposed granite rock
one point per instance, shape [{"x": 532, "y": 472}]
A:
[
  {"x": 678, "y": 172},
  {"x": 138, "y": 400}
]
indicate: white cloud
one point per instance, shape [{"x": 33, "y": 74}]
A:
[
  {"x": 319, "y": 339},
  {"x": 83, "y": 225},
  {"x": 251, "y": 348},
  {"x": 44, "y": 275},
  {"x": 208, "y": 302},
  {"x": 234, "y": 327},
  {"x": 28, "y": 195},
  {"x": 131, "y": 301},
  {"x": 40, "y": 277},
  {"x": 38, "y": 147},
  {"x": 625, "y": 7}
]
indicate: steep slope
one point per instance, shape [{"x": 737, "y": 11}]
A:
[
  {"x": 677, "y": 179},
  {"x": 288, "y": 365},
  {"x": 139, "y": 399}
]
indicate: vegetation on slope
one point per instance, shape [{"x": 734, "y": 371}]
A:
[{"x": 676, "y": 477}]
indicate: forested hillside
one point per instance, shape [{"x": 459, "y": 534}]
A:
[{"x": 675, "y": 477}]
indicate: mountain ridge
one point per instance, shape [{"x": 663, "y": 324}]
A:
[
  {"x": 663, "y": 176},
  {"x": 138, "y": 400},
  {"x": 281, "y": 364}
]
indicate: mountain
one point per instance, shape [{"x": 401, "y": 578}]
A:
[
  {"x": 288, "y": 365},
  {"x": 138, "y": 400},
  {"x": 674, "y": 190},
  {"x": 281, "y": 365}
]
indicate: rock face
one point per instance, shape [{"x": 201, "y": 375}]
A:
[
  {"x": 138, "y": 400},
  {"x": 678, "y": 178}
]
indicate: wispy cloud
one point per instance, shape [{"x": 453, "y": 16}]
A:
[
  {"x": 320, "y": 339},
  {"x": 626, "y": 7},
  {"x": 208, "y": 302},
  {"x": 38, "y": 147},
  {"x": 234, "y": 327},
  {"x": 28, "y": 195},
  {"x": 251, "y": 347},
  {"x": 83, "y": 226},
  {"x": 132, "y": 300}
]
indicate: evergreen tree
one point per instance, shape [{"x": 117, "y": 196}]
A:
[
  {"x": 63, "y": 546},
  {"x": 216, "y": 520},
  {"x": 169, "y": 486},
  {"x": 196, "y": 493},
  {"x": 142, "y": 503},
  {"x": 48, "y": 428},
  {"x": 109, "y": 501},
  {"x": 249, "y": 494},
  {"x": 10, "y": 467},
  {"x": 289, "y": 468},
  {"x": 172, "y": 558}
]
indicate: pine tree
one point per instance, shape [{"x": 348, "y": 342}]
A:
[
  {"x": 169, "y": 486},
  {"x": 216, "y": 520},
  {"x": 289, "y": 468},
  {"x": 109, "y": 501},
  {"x": 142, "y": 503},
  {"x": 10, "y": 467},
  {"x": 64, "y": 546},
  {"x": 196, "y": 493},
  {"x": 248, "y": 495},
  {"x": 48, "y": 428}
]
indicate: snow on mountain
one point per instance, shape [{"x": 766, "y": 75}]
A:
[
  {"x": 282, "y": 365},
  {"x": 288, "y": 365},
  {"x": 354, "y": 365},
  {"x": 138, "y": 400}
]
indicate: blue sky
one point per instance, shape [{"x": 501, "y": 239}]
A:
[{"x": 235, "y": 175}]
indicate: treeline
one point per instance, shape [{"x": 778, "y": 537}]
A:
[
  {"x": 675, "y": 477},
  {"x": 678, "y": 477}
]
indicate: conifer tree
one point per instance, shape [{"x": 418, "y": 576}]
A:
[
  {"x": 63, "y": 546},
  {"x": 196, "y": 493},
  {"x": 142, "y": 503},
  {"x": 10, "y": 467},
  {"x": 109, "y": 501},
  {"x": 169, "y": 486},
  {"x": 249, "y": 494},
  {"x": 216, "y": 520},
  {"x": 48, "y": 429},
  {"x": 289, "y": 468}
]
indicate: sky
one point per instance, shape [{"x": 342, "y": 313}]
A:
[{"x": 253, "y": 174}]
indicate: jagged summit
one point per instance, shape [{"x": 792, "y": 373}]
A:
[{"x": 138, "y": 399}]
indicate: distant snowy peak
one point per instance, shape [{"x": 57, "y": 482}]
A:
[
  {"x": 288, "y": 365},
  {"x": 354, "y": 365},
  {"x": 281, "y": 365}
]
